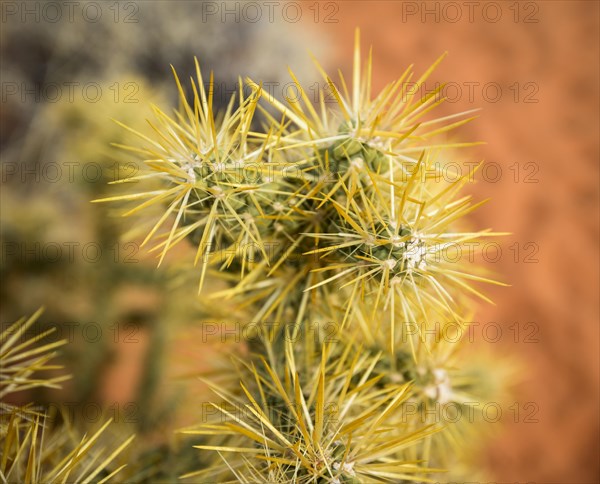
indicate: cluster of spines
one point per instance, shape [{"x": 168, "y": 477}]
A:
[
  {"x": 32, "y": 451},
  {"x": 329, "y": 214}
]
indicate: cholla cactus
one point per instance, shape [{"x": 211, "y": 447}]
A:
[
  {"x": 329, "y": 421},
  {"x": 32, "y": 451},
  {"x": 333, "y": 214}
]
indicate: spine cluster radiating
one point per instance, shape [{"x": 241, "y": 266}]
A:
[{"x": 321, "y": 215}]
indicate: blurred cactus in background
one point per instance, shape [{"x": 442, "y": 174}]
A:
[
  {"x": 30, "y": 451},
  {"x": 329, "y": 230}
]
